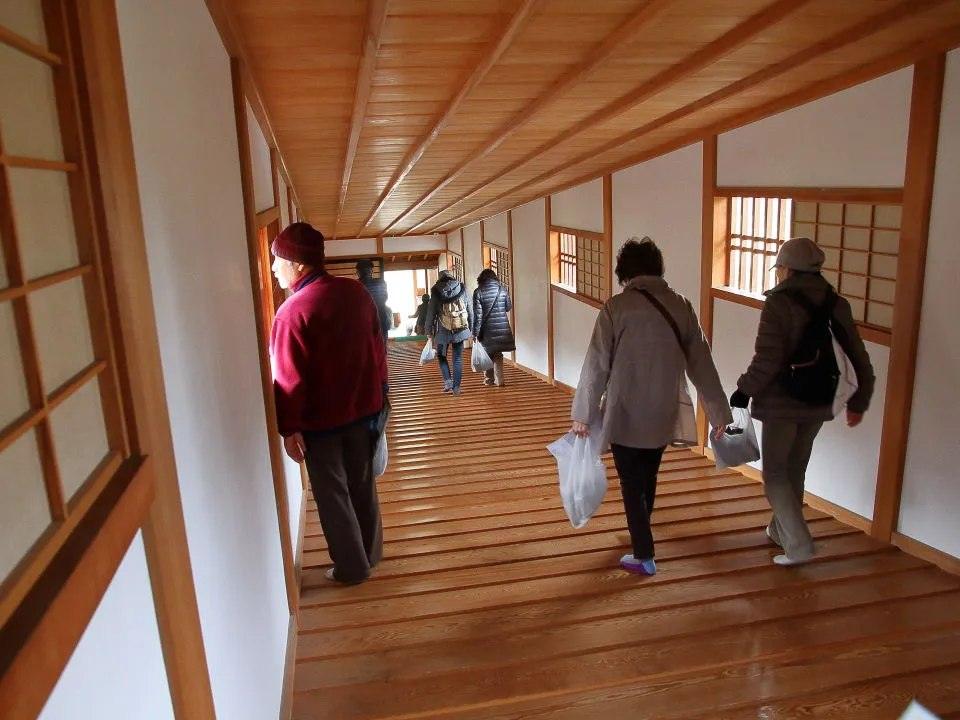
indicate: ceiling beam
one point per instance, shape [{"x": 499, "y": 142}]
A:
[
  {"x": 849, "y": 36},
  {"x": 613, "y": 42},
  {"x": 941, "y": 42},
  {"x": 729, "y": 42},
  {"x": 376, "y": 18},
  {"x": 510, "y": 33}
]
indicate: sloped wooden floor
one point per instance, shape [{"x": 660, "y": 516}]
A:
[{"x": 490, "y": 606}]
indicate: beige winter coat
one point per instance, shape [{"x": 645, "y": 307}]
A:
[{"x": 634, "y": 359}]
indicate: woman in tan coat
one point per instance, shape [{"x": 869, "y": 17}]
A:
[{"x": 643, "y": 340}]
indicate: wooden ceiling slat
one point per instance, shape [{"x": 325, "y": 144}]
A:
[
  {"x": 594, "y": 59},
  {"x": 727, "y": 43},
  {"x": 848, "y": 36},
  {"x": 513, "y": 28},
  {"x": 376, "y": 15}
]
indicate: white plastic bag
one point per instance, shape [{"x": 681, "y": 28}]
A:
[
  {"x": 738, "y": 445},
  {"x": 380, "y": 457},
  {"x": 480, "y": 360},
  {"x": 583, "y": 477},
  {"x": 848, "y": 379},
  {"x": 428, "y": 354}
]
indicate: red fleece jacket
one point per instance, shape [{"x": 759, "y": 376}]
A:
[{"x": 329, "y": 365}]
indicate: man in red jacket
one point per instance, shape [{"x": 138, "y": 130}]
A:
[{"x": 330, "y": 382}]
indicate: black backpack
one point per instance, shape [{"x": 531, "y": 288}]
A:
[{"x": 812, "y": 373}]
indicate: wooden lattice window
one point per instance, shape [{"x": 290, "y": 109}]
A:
[
  {"x": 860, "y": 240},
  {"x": 581, "y": 262},
  {"x": 63, "y": 434},
  {"x": 347, "y": 267},
  {"x": 498, "y": 259},
  {"x": 455, "y": 265}
]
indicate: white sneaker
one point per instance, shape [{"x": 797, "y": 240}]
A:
[
  {"x": 787, "y": 561},
  {"x": 770, "y": 536}
]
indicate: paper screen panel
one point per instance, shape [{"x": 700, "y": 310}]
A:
[
  {"x": 28, "y": 106},
  {"x": 44, "y": 220},
  {"x": 62, "y": 331},
  {"x": 80, "y": 436},
  {"x": 24, "y": 17},
  {"x": 24, "y": 510},
  {"x": 14, "y": 401}
]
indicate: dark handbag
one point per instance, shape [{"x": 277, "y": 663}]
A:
[{"x": 382, "y": 417}]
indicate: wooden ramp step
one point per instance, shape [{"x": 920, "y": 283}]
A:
[{"x": 489, "y": 605}]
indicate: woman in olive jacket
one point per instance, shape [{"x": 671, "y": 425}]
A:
[{"x": 491, "y": 323}]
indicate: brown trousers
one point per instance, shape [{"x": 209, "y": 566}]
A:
[{"x": 340, "y": 467}]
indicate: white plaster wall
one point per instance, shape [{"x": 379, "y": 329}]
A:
[
  {"x": 573, "y": 323},
  {"x": 116, "y": 671},
  {"x": 531, "y": 285},
  {"x": 580, "y": 208},
  {"x": 454, "y": 243},
  {"x": 855, "y": 138},
  {"x": 662, "y": 198},
  {"x": 843, "y": 468},
  {"x": 189, "y": 178},
  {"x": 350, "y": 248},
  {"x": 495, "y": 230},
  {"x": 414, "y": 243},
  {"x": 472, "y": 255},
  {"x": 261, "y": 165},
  {"x": 931, "y": 493}
]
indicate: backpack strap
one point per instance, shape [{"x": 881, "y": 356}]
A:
[{"x": 666, "y": 316}]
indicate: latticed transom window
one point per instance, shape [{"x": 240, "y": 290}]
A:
[
  {"x": 498, "y": 260},
  {"x": 860, "y": 240},
  {"x": 581, "y": 263},
  {"x": 456, "y": 266}
]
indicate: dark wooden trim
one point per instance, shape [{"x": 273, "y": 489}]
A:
[
  {"x": 735, "y": 297},
  {"x": 592, "y": 234},
  {"x": 923, "y": 551},
  {"x": 37, "y": 642},
  {"x": 577, "y": 296},
  {"x": 265, "y": 217},
  {"x": 519, "y": 20},
  {"x": 8, "y": 37},
  {"x": 867, "y": 196},
  {"x": 911, "y": 267},
  {"x": 127, "y": 278},
  {"x": 548, "y": 211},
  {"x": 708, "y": 236},
  {"x": 266, "y": 374},
  {"x": 289, "y": 668},
  {"x": 275, "y": 178},
  {"x": 37, "y": 163},
  {"x": 608, "y": 229},
  {"x": 513, "y": 278}
]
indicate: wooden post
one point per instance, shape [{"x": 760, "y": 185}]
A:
[
  {"x": 273, "y": 435},
  {"x": 550, "y": 270},
  {"x": 513, "y": 281},
  {"x": 608, "y": 229},
  {"x": 911, "y": 268}
]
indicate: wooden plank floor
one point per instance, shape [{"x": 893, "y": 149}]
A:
[{"x": 489, "y": 605}]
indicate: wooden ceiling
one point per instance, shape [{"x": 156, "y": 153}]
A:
[{"x": 414, "y": 116}]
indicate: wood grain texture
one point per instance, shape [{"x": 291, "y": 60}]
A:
[{"x": 489, "y": 605}]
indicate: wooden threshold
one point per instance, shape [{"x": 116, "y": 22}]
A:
[{"x": 489, "y": 605}]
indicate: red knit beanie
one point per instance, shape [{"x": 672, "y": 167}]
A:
[{"x": 300, "y": 243}]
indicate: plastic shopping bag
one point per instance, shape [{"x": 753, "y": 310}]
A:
[
  {"x": 380, "y": 457},
  {"x": 480, "y": 360},
  {"x": 738, "y": 444},
  {"x": 847, "y": 385},
  {"x": 583, "y": 477},
  {"x": 428, "y": 354}
]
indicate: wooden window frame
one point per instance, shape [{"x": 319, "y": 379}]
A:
[
  {"x": 721, "y": 228},
  {"x": 48, "y": 600},
  {"x": 455, "y": 265},
  {"x": 496, "y": 257},
  {"x": 557, "y": 258}
]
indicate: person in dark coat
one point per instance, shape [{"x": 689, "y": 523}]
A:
[
  {"x": 327, "y": 403},
  {"x": 491, "y": 323},
  {"x": 448, "y": 323},
  {"x": 790, "y": 425},
  {"x": 377, "y": 287},
  {"x": 421, "y": 314}
]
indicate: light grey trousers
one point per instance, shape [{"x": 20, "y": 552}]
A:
[
  {"x": 786, "y": 451},
  {"x": 495, "y": 374}
]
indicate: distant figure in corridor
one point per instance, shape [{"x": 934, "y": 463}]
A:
[
  {"x": 643, "y": 340},
  {"x": 791, "y": 423},
  {"x": 330, "y": 383},
  {"x": 421, "y": 314},
  {"x": 378, "y": 291},
  {"x": 491, "y": 323},
  {"x": 448, "y": 323}
]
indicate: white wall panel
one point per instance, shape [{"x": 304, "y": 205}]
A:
[
  {"x": 260, "y": 160},
  {"x": 495, "y": 230},
  {"x": 351, "y": 248},
  {"x": 531, "y": 285},
  {"x": 414, "y": 243},
  {"x": 472, "y": 255},
  {"x": 580, "y": 207},
  {"x": 573, "y": 323}
]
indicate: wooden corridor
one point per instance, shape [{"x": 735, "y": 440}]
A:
[{"x": 489, "y": 605}]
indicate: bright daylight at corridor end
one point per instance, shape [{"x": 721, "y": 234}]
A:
[{"x": 479, "y": 359}]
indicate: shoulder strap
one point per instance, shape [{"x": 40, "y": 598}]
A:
[
  {"x": 486, "y": 313},
  {"x": 666, "y": 315}
]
